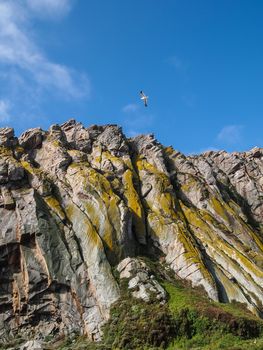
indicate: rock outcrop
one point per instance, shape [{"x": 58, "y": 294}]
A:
[
  {"x": 76, "y": 201},
  {"x": 142, "y": 283}
]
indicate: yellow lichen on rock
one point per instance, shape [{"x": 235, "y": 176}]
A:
[
  {"x": 134, "y": 203},
  {"x": 100, "y": 204},
  {"x": 167, "y": 226},
  {"x": 76, "y": 201},
  {"x": 55, "y": 206},
  {"x": 4, "y": 151},
  {"x": 82, "y": 224},
  {"x": 235, "y": 261},
  {"x": 29, "y": 168}
]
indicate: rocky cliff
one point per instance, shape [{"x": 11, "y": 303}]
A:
[{"x": 76, "y": 201}]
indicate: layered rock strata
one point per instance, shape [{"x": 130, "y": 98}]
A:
[{"x": 75, "y": 201}]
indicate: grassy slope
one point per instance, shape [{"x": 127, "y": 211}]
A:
[
  {"x": 212, "y": 325},
  {"x": 188, "y": 321}
]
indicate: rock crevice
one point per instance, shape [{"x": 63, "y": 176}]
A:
[{"x": 76, "y": 201}]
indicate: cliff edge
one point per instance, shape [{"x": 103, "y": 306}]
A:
[{"x": 75, "y": 202}]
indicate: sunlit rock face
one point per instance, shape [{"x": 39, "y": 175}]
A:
[{"x": 76, "y": 201}]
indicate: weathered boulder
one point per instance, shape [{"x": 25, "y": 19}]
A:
[
  {"x": 7, "y": 137},
  {"x": 31, "y": 345},
  {"x": 77, "y": 136},
  {"x": 141, "y": 281},
  {"x": 31, "y": 138},
  {"x": 3, "y": 171}
]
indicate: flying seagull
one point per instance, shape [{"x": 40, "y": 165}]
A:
[{"x": 144, "y": 98}]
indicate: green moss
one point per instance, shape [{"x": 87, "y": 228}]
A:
[
  {"x": 135, "y": 324},
  {"x": 181, "y": 296},
  {"x": 205, "y": 324},
  {"x": 216, "y": 341},
  {"x": 188, "y": 321}
]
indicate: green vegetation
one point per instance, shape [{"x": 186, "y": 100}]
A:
[
  {"x": 202, "y": 324},
  {"x": 188, "y": 321},
  {"x": 216, "y": 342},
  {"x": 14, "y": 344},
  {"x": 138, "y": 325}
]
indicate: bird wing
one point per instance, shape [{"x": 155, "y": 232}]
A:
[{"x": 142, "y": 94}]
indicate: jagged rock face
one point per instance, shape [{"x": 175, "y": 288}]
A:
[
  {"x": 142, "y": 283},
  {"x": 75, "y": 201}
]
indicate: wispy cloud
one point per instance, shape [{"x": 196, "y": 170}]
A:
[
  {"x": 21, "y": 58},
  {"x": 227, "y": 138},
  {"x": 230, "y": 134},
  {"x": 137, "y": 122},
  {"x": 49, "y": 8},
  {"x": 18, "y": 49},
  {"x": 130, "y": 108},
  {"x": 4, "y": 111}
]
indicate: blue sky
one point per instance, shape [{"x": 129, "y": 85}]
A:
[{"x": 200, "y": 62}]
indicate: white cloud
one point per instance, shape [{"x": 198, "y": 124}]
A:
[
  {"x": 60, "y": 78},
  {"x": 230, "y": 134},
  {"x": 132, "y": 107},
  {"x": 49, "y": 8},
  {"x": 21, "y": 58},
  {"x": 4, "y": 110},
  {"x": 137, "y": 120},
  {"x": 138, "y": 124}
]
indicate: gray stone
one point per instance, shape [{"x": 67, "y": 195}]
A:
[
  {"x": 7, "y": 138},
  {"x": 31, "y": 138},
  {"x": 31, "y": 345},
  {"x": 76, "y": 202}
]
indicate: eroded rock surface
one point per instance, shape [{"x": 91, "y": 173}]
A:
[
  {"x": 141, "y": 281},
  {"x": 76, "y": 201}
]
